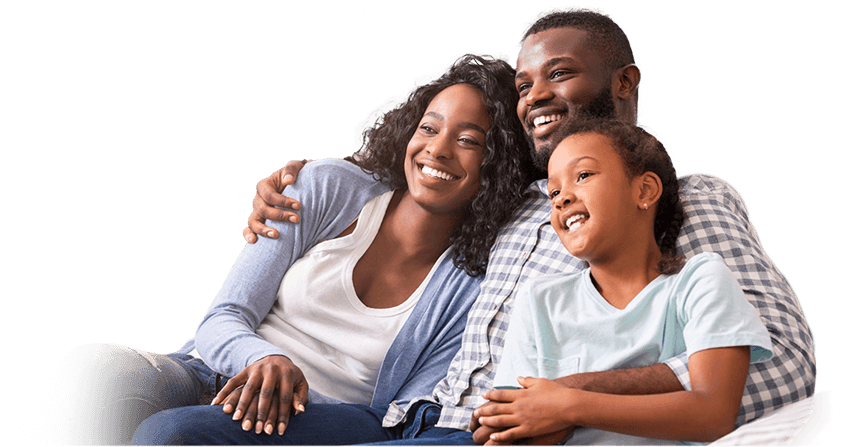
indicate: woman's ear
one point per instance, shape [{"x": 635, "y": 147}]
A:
[{"x": 650, "y": 189}]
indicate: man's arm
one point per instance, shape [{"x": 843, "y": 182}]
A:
[
  {"x": 653, "y": 379},
  {"x": 269, "y": 203}
]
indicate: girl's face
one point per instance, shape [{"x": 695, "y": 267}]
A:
[
  {"x": 596, "y": 207},
  {"x": 443, "y": 157}
]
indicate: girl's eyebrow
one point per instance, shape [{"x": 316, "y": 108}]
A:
[{"x": 573, "y": 163}]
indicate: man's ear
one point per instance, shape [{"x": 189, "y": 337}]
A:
[
  {"x": 626, "y": 81},
  {"x": 650, "y": 189}
]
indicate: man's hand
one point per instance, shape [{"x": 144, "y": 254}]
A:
[
  {"x": 265, "y": 392},
  {"x": 531, "y": 415},
  {"x": 269, "y": 197}
]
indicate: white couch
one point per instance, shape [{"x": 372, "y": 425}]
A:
[{"x": 795, "y": 424}]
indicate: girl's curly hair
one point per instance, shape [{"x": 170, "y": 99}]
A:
[
  {"x": 506, "y": 167},
  {"x": 641, "y": 153}
]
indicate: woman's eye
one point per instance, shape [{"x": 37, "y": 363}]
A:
[
  {"x": 469, "y": 141},
  {"x": 426, "y": 128}
]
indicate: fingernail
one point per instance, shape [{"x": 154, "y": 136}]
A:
[
  {"x": 301, "y": 408},
  {"x": 228, "y": 408},
  {"x": 294, "y": 219},
  {"x": 270, "y": 233},
  {"x": 288, "y": 177},
  {"x": 296, "y": 206},
  {"x": 281, "y": 427},
  {"x": 269, "y": 429},
  {"x": 238, "y": 415},
  {"x": 246, "y": 425},
  {"x": 258, "y": 427}
]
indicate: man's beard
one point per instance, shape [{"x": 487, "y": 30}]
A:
[{"x": 600, "y": 106}]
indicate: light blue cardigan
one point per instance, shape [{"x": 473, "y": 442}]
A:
[{"x": 332, "y": 193}]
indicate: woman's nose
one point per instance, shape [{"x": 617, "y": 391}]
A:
[{"x": 440, "y": 147}]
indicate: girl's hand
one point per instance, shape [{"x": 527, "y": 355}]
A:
[
  {"x": 535, "y": 411},
  {"x": 265, "y": 392}
]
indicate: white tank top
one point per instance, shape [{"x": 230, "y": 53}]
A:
[{"x": 322, "y": 326}]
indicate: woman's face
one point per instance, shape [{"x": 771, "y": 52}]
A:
[{"x": 444, "y": 156}]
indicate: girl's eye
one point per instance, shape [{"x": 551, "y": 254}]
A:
[
  {"x": 584, "y": 175},
  {"x": 554, "y": 193}
]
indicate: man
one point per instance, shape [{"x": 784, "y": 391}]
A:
[{"x": 572, "y": 65}]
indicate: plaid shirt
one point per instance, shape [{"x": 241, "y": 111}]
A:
[{"x": 716, "y": 220}]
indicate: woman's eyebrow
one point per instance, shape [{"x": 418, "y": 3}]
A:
[{"x": 463, "y": 124}]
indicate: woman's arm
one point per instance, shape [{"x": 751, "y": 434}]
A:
[
  {"x": 332, "y": 194},
  {"x": 707, "y": 412}
]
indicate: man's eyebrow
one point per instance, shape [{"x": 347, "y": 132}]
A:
[
  {"x": 463, "y": 124},
  {"x": 548, "y": 64}
]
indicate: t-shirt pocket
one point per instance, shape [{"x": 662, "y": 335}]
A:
[{"x": 556, "y": 368}]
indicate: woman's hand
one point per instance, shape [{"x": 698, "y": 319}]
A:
[
  {"x": 265, "y": 392},
  {"x": 269, "y": 197},
  {"x": 532, "y": 414}
]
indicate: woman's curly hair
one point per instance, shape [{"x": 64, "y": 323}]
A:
[
  {"x": 641, "y": 153},
  {"x": 506, "y": 166}
]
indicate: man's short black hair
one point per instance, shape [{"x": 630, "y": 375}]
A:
[{"x": 605, "y": 35}]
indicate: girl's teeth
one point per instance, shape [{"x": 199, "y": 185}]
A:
[{"x": 576, "y": 221}]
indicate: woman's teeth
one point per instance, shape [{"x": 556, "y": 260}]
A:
[{"x": 431, "y": 172}]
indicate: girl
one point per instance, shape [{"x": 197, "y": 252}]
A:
[{"x": 615, "y": 206}]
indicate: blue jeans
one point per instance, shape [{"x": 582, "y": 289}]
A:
[
  {"x": 113, "y": 389},
  {"x": 320, "y": 424}
]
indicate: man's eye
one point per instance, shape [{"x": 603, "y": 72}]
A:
[
  {"x": 522, "y": 88},
  {"x": 559, "y": 73}
]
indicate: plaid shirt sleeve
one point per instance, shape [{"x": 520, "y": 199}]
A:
[{"x": 717, "y": 221}]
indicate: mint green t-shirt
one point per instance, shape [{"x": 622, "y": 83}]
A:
[{"x": 561, "y": 325}]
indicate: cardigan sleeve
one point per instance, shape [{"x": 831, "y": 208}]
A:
[{"x": 332, "y": 193}]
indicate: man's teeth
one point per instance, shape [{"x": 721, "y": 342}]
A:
[
  {"x": 576, "y": 221},
  {"x": 542, "y": 120},
  {"x": 431, "y": 172}
]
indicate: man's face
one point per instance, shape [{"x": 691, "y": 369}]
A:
[{"x": 560, "y": 78}]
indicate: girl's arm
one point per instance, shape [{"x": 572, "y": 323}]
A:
[{"x": 707, "y": 412}]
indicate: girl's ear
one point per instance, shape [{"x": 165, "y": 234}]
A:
[{"x": 650, "y": 189}]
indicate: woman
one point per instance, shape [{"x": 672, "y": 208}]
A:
[{"x": 375, "y": 296}]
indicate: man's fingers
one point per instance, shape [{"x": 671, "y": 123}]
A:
[
  {"x": 249, "y": 235},
  {"x": 271, "y": 193},
  {"x": 482, "y": 434}
]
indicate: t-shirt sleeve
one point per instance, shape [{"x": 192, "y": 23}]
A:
[{"x": 714, "y": 312}]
